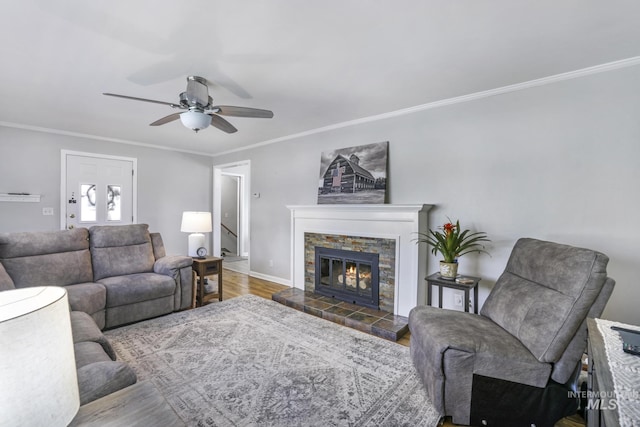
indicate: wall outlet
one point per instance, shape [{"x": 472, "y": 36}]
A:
[
  {"x": 270, "y": 263},
  {"x": 47, "y": 211},
  {"x": 457, "y": 299}
]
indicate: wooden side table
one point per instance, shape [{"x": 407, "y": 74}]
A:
[
  {"x": 436, "y": 280},
  {"x": 204, "y": 267}
]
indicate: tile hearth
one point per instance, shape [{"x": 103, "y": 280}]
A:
[{"x": 375, "y": 322}]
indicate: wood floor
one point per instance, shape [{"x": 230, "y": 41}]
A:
[{"x": 236, "y": 284}]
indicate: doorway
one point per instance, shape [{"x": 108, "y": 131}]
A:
[
  {"x": 231, "y": 186},
  {"x": 231, "y": 190},
  {"x": 97, "y": 189}
]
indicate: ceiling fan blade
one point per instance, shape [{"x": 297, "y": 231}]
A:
[
  {"x": 229, "y": 110},
  {"x": 222, "y": 124},
  {"x": 167, "y": 119},
  {"x": 170, "y": 104}
]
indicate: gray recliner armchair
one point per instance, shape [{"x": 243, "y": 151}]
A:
[{"x": 515, "y": 363}]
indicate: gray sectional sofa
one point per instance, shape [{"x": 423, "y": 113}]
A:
[{"x": 114, "y": 275}]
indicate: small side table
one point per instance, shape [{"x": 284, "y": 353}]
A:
[
  {"x": 436, "y": 280},
  {"x": 204, "y": 267}
]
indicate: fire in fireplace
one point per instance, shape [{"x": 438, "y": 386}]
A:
[{"x": 347, "y": 275}]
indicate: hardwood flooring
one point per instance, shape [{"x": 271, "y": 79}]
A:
[{"x": 236, "y": 284}]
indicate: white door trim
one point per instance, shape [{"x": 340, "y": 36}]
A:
[
  {"x": 63, "y": 181},
  {"x": 217, "y": 204}
]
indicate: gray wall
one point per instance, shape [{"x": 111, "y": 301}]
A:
[
  {"x": 30, "y": 162},
  {"x": 558, "y": 162}
]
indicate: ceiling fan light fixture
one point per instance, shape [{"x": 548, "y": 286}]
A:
[
  {"x": 200, "y": 109},
  {"x": 195, "y": 120}
]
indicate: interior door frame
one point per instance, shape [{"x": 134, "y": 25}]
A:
[
  {"x": 240, "y": 228},
  {"x": 244, "y": 227},
  {"x": 63, "y": 181}
]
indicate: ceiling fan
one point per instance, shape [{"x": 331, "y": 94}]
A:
[{"x": 200, "y": 109}]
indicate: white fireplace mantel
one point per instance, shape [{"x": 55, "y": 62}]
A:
[{"x": 399, "y": 222}]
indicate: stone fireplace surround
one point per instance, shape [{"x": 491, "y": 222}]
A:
[
  {"x": 385, "y": 248},
  {"x": 400, "y": 223}
]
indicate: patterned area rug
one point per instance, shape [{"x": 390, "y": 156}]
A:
[{"x": 249, "y": 361}]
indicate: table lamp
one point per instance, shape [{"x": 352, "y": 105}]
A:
[
  {"x": 196, "y": 223},
  {"x": 37, "y": 362}
]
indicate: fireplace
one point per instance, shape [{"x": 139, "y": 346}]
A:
[
  {"x": 347, "y": 275},
  {"x": 389, "y": 230},
  {"x": 359, "y": 253}
]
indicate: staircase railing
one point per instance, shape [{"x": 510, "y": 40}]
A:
[{"x": 229, "y": 231}]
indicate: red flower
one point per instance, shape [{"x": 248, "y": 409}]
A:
[{"x": 449, "y": 228}]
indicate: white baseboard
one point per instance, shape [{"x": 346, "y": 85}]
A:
[{"x": 279, "y": 280}]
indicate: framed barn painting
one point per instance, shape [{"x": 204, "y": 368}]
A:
[{"x": 354, "y": 175}]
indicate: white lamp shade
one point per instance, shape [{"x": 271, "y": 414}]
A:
[
  {"x": 37, "y": 362},
  {"x": 195, "y": 120},
  {"x": 196, "y": 223}
]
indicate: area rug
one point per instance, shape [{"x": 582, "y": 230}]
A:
[{"x": 249, "y": 361}]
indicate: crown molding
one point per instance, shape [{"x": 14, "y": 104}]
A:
[
  {"x": 97, "y": 138},
  {"x": 609, "y": 66}
]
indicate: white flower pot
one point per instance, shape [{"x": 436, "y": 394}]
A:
[{"x": 448, "y": 270}]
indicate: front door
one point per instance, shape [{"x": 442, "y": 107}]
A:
[{"x": 99, "y": 190}]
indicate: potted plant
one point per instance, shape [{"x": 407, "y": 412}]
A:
[{"x": 452, "y": 242}]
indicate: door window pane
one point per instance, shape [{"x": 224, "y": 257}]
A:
[
  {"x": 114, "y": 205},
  {"x": 87, "y": 202}
]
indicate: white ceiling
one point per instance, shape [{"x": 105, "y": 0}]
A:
[{"x": 313, "y": 63}]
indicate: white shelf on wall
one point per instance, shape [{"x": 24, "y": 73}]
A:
[{"x": 17, "y": 197}]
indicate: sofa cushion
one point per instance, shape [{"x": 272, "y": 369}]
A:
[
  {"x": 99, "y": 379},
  {"x": 88, "y": 297},
  {"x": 134, "y": 288},
  {"x": 16, "y": 245},
  {"x": 544, "y": 294},
  {"x": 47, "y": 258},
  {"x": 130, "y": 313},
  {"x": 85, "y": 330},
  {"x": 121, "y": 250}
]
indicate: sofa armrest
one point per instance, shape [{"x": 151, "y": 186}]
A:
[
  {"x": 84, "y": 329},
  {"x": 170, "y": 265},
  {"x": 179, "y": 268},
  {"x": 102, "y": 378}
]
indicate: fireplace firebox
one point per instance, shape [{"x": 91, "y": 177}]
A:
[{"x": 348, "y": 276}]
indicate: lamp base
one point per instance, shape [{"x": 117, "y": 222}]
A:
[{"x": 196, "y": 240}]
